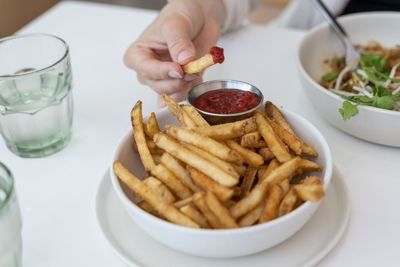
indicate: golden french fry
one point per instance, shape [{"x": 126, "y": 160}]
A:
[
  {"x": 285, "y": 185},
  {"x": 208, "y": 184},
  {"x": 148, "y": 208},
  {"x": 274, "y": 143},
  {"x": 266, "y": 153},
  {"x": 257, "y": 194},
  {"x": 308, "y": 165},
  {"x": 228, "y": 130},
  {"x": 168, "y": 211},
  {"x": 171, "y": 181},
  {"x": 271, "y": 166},
  {"x": 180, "y": 172},
  {"x": 220, "y": 211},
  {"x": 240, "y": 169},
  {"x": 260, "y": 172},
  {"x": 248, "y": 180},
  {"x": 310, "y": 190},
  {"x": 237, "y": 191},
  {"x": 195, "y": 215},
  {"x": 271, "y": 206},
  {"x": 223, "y": 165},
  {"x": 160, "y": 189},
  {"x": 154, "y": 150},
  {"x": 250, "y": 157},
  {"x": 183, "y": 202},
  {"x": 229, "y": 203},
  {"x": 288, "y": 138},
  {"x": 288, "y": 203},
  {"x": 200, "y": 202},
  {"x": 250, "y": 139},
  {"x": 195, "y": 115},
  {"x": 140, "y": 139},
  {"x": 152, "y": 125},
  {"x": 252, "y": 217},
  {"x": 191, "y": 158},
  {"x": 176, "y": 110},
  {"x": 312, "y": 180},
  {"x": 274, "y": 114},
  {"x": 206, "y": 143},
  {"x": 199, "y": 65},
  {"x": 259, "y": 144}
]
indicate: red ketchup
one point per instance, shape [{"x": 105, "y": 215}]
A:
[
  {"x": 217, "y": 54},
  {"x": 227, "y": 101}
]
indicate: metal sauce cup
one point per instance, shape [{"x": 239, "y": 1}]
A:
[{"x": 215, "y": 118}]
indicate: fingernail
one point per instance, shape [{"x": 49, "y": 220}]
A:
[
  {"x": 184, "y": 55},
  {"x": 190, "y": 77},
  {"x": 174, "y": 74}
]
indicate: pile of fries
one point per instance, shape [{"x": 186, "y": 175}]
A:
[{"x": 221, "y": 176}]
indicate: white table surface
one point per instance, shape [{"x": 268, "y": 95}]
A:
[{"x": 57, "y": 193}]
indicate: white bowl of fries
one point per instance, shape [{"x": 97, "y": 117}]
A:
[
  {"x": 374, "y": 124},
  {"x": 195, "y": 202}
]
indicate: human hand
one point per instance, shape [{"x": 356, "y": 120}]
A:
[{"x": 183, "y": 31}]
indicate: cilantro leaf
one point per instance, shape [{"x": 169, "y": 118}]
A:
[
  {"x": 330, "y": 76},
  {"x": 380, "y": 90},
  {"x": 375, "y": 61},
  {"x": 348, "y": 110}
]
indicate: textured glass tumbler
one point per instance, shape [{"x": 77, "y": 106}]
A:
[
  {"x": 36, "y": 106},
  {"x": 10, "y": 222}
]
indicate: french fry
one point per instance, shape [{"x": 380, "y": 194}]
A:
[
  {"x": 240, "y": 169},
  {"x": 257, "y": 194},
  {"x": 250, "y": 157},
  {"x": 152, "y": 125},
  {"x": 154, "y": 150},
  {"x": 274, "y": 114},
  {"x": 160, "y": 189},
  {"x": 195, "y": 115},
  {"x": 191, "y": 158},
  {"x": 148, "y": 208},
  {"x": 171, "y": 181},
  {"x": 201, "y": 204},
  {"x": 288, "y": 138},
  {"x": 308, "y": 165},
  {"x": 271, "y": 206},
  {"x": 259, "y": 144},
  {"x": 206, "y": 143},
  {"x": 229, "y": 203},
  {"x": 223, "y": 165},
  {"x": 168, "y": 211},
  {"x": 248, "y": 180},
  {"x": 311, "y": 189},
  {"x": 285, "y": 185},
  {"x": 180, "y": 172},
  {"x": 220, "y": 211},
  {"x": 260, "y": 172},
  {"x": 228, "y": 130},
  {"x": 208, "y": 184},
  {"x": 237, "y": 191},
  {"x": 266, "y": 153},
  {"x": 140, "y": 139},
  {"x": 195, "y": 215},
  {"x": 156, "y": 158},
  {"x": 204, "y": 62},
  {"x": 183, "y": 202},
  {"x": 271, "y": 166},
  {"x": 252, "y": 217},
  {"x": 288, "y": 202},
  {"x": 250, "y": 139},
  {"x": 274, "y": 143},
  {"x": 176, "y": 110}
]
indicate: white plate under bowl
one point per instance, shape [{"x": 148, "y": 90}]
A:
[{"x": 306, "y": 248}]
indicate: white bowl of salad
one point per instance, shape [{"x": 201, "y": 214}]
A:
[{"x": 366, "y": 102}]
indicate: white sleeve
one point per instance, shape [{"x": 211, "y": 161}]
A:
[{"x": 236, "y": 12}]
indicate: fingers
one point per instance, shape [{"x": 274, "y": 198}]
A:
[
  {"x": 177, "y": 34},
  {"x": 145, "y": 63},
  {"x": 169, "y": 87}
]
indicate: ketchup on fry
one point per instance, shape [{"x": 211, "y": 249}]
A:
[
  {"x": 227, "y": 101},
  {"x": 217, "y": 54}
]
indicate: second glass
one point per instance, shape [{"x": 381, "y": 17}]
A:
[{"x": 36, "y": 105}]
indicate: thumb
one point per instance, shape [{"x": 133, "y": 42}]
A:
[{"x": 177, "y": 34}]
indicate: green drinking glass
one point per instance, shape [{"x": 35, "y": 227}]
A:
[{"x": 36, "y": 105}]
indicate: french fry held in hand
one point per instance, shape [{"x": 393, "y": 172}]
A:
[
  {"x": 215, "y": 56},
  {"x": 221, "y": 176}
]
